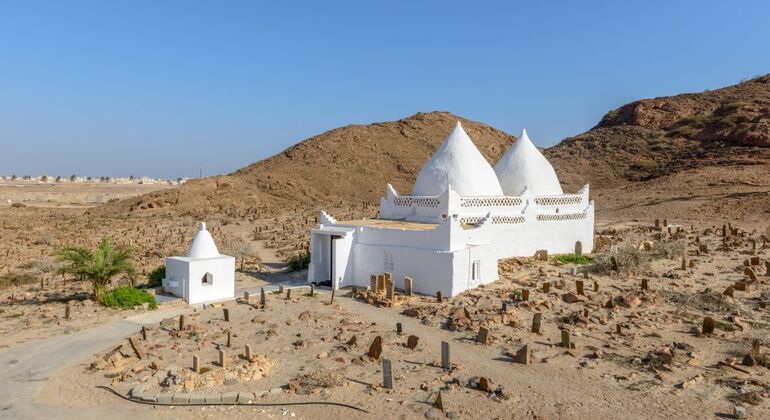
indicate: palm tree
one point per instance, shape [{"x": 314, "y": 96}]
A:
[{"x": 99, "y": 266}]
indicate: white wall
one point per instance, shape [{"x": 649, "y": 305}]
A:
[{"x": 187, "y": 274}]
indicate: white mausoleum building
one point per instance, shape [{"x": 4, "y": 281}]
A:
[
  {"x": 204, "y": 275},
  {"x": 462, "y": 217}
]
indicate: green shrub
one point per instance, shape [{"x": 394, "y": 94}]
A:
[
  {"x": 573, "y": 259},
  {"x": 125, "y": 297},
  {"x": 299, "y": 261},
  {"x": 156, "y": 276}
]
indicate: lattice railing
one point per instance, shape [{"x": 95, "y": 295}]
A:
[
  {"x": 496, "y": 220},
  {"x": 558, "y": 200},
  {"x": 490, "y": 201},
  {"x": 411, "y": 201},
  {"x": 561, "y": 216}
]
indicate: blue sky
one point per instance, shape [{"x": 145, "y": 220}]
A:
[{"x": 163, "y": 88}]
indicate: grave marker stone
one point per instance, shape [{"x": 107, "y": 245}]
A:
[
  {"x": 708, "y": 325},
  {"x": 565, "y": 336},
  {"x": 247, "y": 352},
  {"x": 411, "y": 342},
  {"x": 399, "y": 328},
  {"x": 181, "y": 322},
  {"x": 445, "y": 356},
  {"x": 579, "y": 286},
  {"x": 645, "y": 285},
  {"x": 375, "y": 349},
  {"x": 387, "y": 374},
  {"x": 483, "y": 336},
  {"x": 522, "y": 356},
  {"x": 262, "y": 298},
  {"x": 408, "y": 286},
  {"x": 536, "y": 322},
  {"x": 546, "y": 287},
  {"x": 226, "y": 314},
  {"x": 135, "y": 347},
  {"x": 438, "y": 297},
  {"x": 196, "y": 364},
  {"x": 578, "y": 248},
  {"x": 524, "y": 294},
  {"x": 222, "y": 359}
]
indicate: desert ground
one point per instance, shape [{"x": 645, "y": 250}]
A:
[
  {"x": 68, "y": 194},
  {"x": 633, "y": 352}
]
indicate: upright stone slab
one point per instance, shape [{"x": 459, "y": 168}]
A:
[
  {"x": 222, "y": 359},
  {"x": 483, "y": 336},
  {"x": 412, "y": 341},
  {"x": 280, "y": 289},
  {"x": 247, "y": 352},
  {"x": 708, "y": 325},
  {"x": 391, "y": 294},
  {"x": 226, "y": 314},
  {"x": 596, "y": 286},
  {"x": 536, "y": 322},
  {"x": 546, "y": 287},
  {"x": 578, "y": 248},
  {"x": 408, "y": 286},
  {"x": 375, "y": 349},
  {"x": 579, "y": 286},
  {"x": 67, "y": 311},
  {"x": 373, "y": 282},
  {"x": 288, "y": 294},
  {"x": 399, "y": 328},
  {"x": 522, "y": 356},
  {"x": 262, "y": 297},
  {"x": 445, "y": 364},
  {"x": 645, "y": 284},
  {"x": 181, "y": 322},
  {"x": 565, "y": 338},
  {"x": 312, "y": 290},
  {"x": 439, "y": 299},
  {"x": 524, "y": 294},
  {"x": 196, "y": 364},
  {"x": 247, "y": 296},
  {"x": 387, "y": 374}
]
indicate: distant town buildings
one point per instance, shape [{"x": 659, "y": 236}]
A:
[{"x": 47, "y": 179}]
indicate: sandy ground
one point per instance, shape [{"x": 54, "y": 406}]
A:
[
  {"x": 66, "y": 194},
  {"x": 606, "y": 375}
]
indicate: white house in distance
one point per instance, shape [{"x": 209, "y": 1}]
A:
[
  {"x": 462, "y": 217},
  {"x": 204, "y": 275}
]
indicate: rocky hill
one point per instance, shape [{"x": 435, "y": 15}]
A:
[
  {"x": 688, "y": 153},
  {"x": 650, "y": 138},
  {"x": 348, "y": 164}
]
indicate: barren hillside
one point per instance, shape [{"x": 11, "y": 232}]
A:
[{"x": 350, "y": 164}]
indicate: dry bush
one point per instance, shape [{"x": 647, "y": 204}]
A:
[
  {"x": 669, "y": 249},
  {"x": 323, "y": 378},
  {"x": 635, "y": 252},
  {"x": 16, "y": 278}
]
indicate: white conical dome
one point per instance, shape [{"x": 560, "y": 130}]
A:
[
  {"x": 460, "y": 164},
  {"x": 524, "y": 166},
  {"x": 203, "y": 245}
]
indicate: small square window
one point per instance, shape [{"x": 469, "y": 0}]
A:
[{"x": 208, "y": 279}]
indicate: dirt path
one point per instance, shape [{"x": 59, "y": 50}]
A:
[{"x": 25, "y": 368}]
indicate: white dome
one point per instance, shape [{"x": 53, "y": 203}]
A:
[
  {"x": 460, "y": 164},
  {"x": 524, "y": 166},
  {"x": 203, "y": 245}
]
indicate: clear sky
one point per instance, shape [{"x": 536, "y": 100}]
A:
[{"x": 163, "y": 88}]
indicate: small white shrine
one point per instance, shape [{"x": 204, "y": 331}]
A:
[
  {"x": 462, "y": 217},
  {"x": 204, "y": 275}
]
